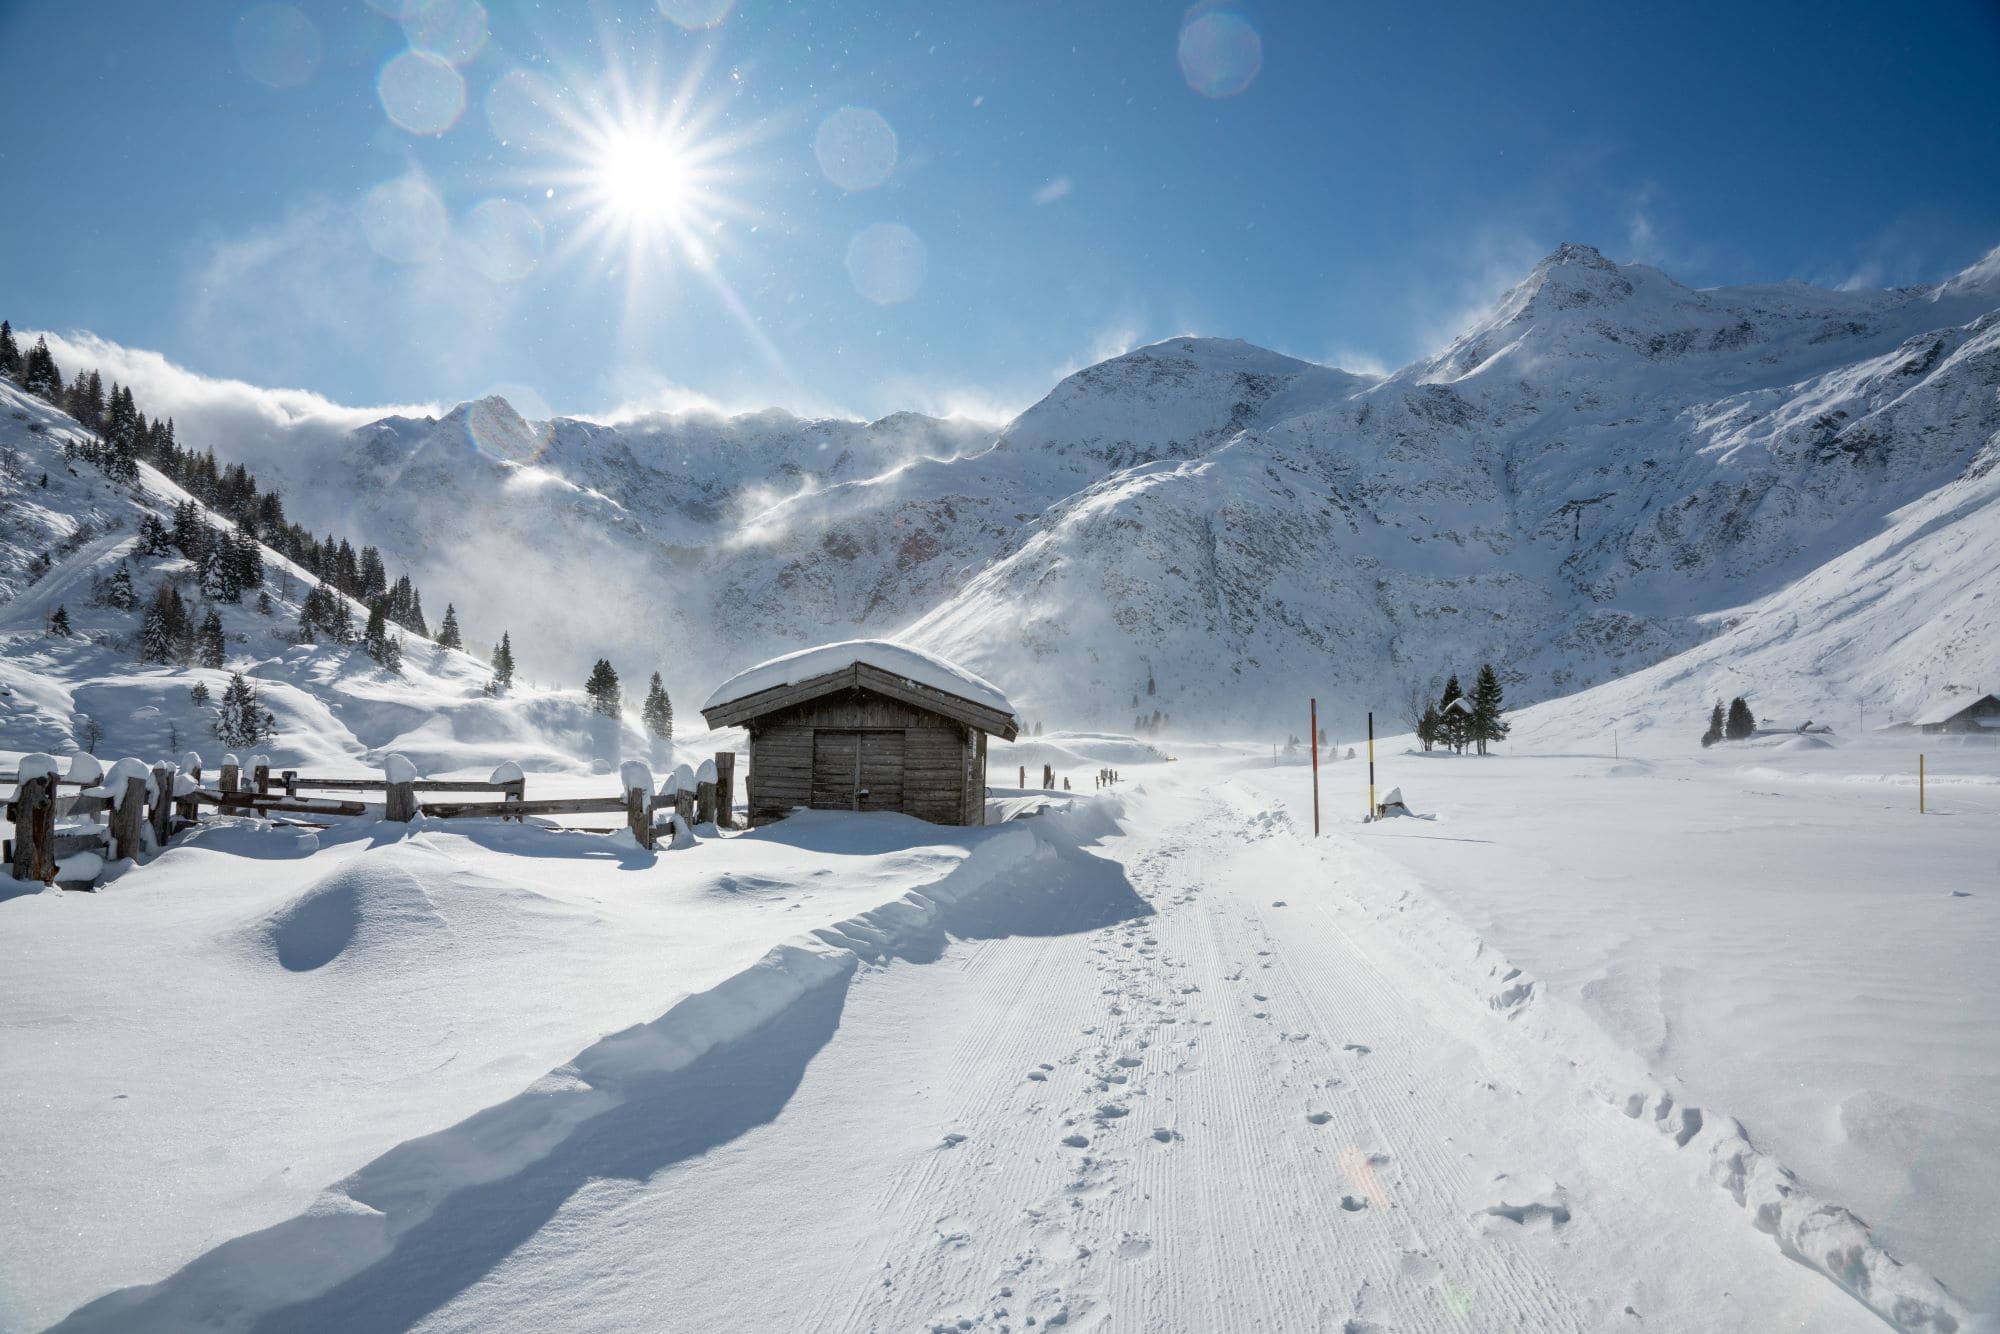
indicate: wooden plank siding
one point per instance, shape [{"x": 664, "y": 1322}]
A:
[{"x": 819, "y": 752}]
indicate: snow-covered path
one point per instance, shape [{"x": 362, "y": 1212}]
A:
[{"x": 1257, "y": 1106}]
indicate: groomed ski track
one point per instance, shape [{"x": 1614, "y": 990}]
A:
[{"x": 1260, "y": 1105}]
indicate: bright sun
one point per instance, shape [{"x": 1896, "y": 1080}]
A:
[{"x": 645, "y": 178}]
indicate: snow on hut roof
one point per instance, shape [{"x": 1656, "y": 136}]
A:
[
  {"x": 915, "y": 664},
  {"x": 1947, "y": 706}
]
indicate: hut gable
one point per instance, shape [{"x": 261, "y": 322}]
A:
[{"x": 867, "y": 726}]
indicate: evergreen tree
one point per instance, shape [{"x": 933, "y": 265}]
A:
[
  {"x": 1741, "y": 722},
  {"x": 503, "y": 661},
  {"x": 40, "y": 375},
  {"x": 1716, "y": 724},
  {"x": 59, "y": 622},
  {"x": 659, "y": 710},
  {"x": 10, "y": 351},
  {"x": 602, "y": 687},
  {"x": 1427, "y": 727},
  {"x": 210, "y": 648},
  {"x": 241, "y": 719},
  {"x": 381, "y": 645},
  {"x": 1453, "y": 725},
  {"x": 199, "y": 692},
  {"x": 263, "y": 603},
  {"x": 1486, "y": 722},
  {"x": 448, "y": 635},
  {"x": 374, "y": 578},
  {"x": 119, "y": 594},
  {"x": 154, "y": 540},
  {"x": 246, "y": 563},
  {"x": 218, "y": 574},
  {"x": 165, "y": 634}
]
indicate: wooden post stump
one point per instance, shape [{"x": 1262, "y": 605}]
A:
[
  {"x": 516, "y": 793},
  {"x": 260, "y": 778},
  {"x": 725, "y": 788},
  {"x": 1024, "y": 777},
  {"x": 704, "y": 803},
  {"x": 291, "y": 785},
  {"x": 187, "y": 807},
  {"x": 639, "y": 815},
  {"x": 126, "y": 817},
  {"x": 401, "y": 802},
  {"x": 229, "y": 778},
  {"x": 35, "y": 830},
  {"x": 684, "y": 806},
  {"x": 160, "y": 812}
]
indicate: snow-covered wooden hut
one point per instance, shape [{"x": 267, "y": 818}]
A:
[
  {"x": 865, "y": 725},
  {"x": 1962, "y": 711}
]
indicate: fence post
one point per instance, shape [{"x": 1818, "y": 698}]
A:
[
  {"x": 639, "y": 815},
  {"x": 1024, "y": 778},
  {"x": 291, "y": 785},
  {"x": 260, "y": 778},
  {"x": 189, "y": 808},
  {"x": 704, "y": 803},
  {"x": 126, "y": 817},
  {"x": 228, "y": 777},
  {"x": 400, "y": 801},
  {"x": 35, "y": 829},
  {"x": 516, "y": 793},
  {"x": 725, "y": 788},
  {"x": 161, "y": 811},
  {"x": 684, "y": 805}
]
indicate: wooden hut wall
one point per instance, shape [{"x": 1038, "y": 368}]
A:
[{"x": 939, "y": 774}]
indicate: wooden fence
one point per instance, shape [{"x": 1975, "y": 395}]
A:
[{"x": 132, "y": 812}]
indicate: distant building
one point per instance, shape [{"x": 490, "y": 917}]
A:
[
  {"x": 1962, "y": 712},
  {"x": 866, "y": 725}
]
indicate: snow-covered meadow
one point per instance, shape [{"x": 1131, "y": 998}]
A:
[{"x": 1152, "y": 1056}]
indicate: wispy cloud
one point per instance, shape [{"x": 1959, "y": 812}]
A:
[{"x": 1058, "y": 188}]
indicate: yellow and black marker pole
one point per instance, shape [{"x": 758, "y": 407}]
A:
[{"x": 1371, "y": 764}]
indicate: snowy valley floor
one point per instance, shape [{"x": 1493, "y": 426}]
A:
[{"x": 1155, "y": 1061}]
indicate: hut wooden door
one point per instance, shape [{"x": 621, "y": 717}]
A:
[
  {"x": 881, "y": 786},
  {"x": 857, "y": 770}
]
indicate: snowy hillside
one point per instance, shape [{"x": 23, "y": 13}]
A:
[
  {"x": 1607, "y": 470},
  {"x": 333, "y": 706}
]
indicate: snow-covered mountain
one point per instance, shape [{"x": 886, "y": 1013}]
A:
[
  {"x": 67, "y": 532},
  {"x": 1606, "y": 471}
]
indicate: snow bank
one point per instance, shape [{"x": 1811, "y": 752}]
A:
[
  {"x": 901, "y": 659},
  {"x": 355, "y": 1224},
  {"x": 683, "y": 779}
]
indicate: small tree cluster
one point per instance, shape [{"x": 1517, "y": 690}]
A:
[
  {"x": 602, "y": 688},
  {"x": 1458, "y": 721},
  {"x": 324, "y": 615},
  {"x": 503, "y": 662},
  {"x": 241, "y": 719},
  {"x": 166, "y": 631},
  {"x": 1734, "y": 725},
  {"x": 385, "y": 648},
  {"x": 658, "y": 711}
]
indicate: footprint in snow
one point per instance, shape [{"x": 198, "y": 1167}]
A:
[
  {"x": 1128, "y": 1061},
  {"x": 1354, "y": 1204},
  {"x": 1164, "y": 1135},
  {"x": 1319, "y": 1118},
  {"x": 1277, "y": 903},
  {"x": 1359, "y": 1049},
  {"x": 1076, "y": 1141},
  {"x": 953, "y": 1140},
  {"x": 1038, "y": 1076}
]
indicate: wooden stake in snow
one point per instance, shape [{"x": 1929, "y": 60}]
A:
[
  {"x": 1920, "y": 785},
  {"x": 401, "y": 785},
  {"x": 1371, "y": 764},
  {"x": 35, "y": 829},
  {"x": 162, "y": 809},
  {"x": 1314, "y": 735},
  {"x": 126, "y": 817}
]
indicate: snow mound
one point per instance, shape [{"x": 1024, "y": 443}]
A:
[
  {"x": 913, "y": 663},
  {"x": 348, "y": 914},
  {"x": 396, "y": 769}
]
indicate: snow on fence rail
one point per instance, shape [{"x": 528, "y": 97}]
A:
[{"x": 129, "y": 813}]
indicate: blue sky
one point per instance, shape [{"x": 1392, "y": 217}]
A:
[{"x": 636, "y": 208}]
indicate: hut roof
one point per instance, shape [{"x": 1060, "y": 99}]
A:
[
  {"x": 1948, "y": 706},
  {"x": 878, "y": 664}
]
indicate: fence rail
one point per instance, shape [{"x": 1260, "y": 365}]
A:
[{"x": 133, "y": 816}]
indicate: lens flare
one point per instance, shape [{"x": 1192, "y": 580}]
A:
[
  {"x": 404, "y": 220},
  {"x": 887, "y": 263},
  {"x": 502, "y": 239},
  {"x": 495, "y": 429},
  {"x": 451, "y": 30},
  {"x": 421, "y": 92},
  {"x": 856, "y": 149},
  {"x": 277, "y": 46},
  {"x": 1221, "y": 53},
  {"x": 695, "y": 14}
]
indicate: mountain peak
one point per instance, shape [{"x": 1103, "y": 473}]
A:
[{"x": 1573, "y": 253}]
